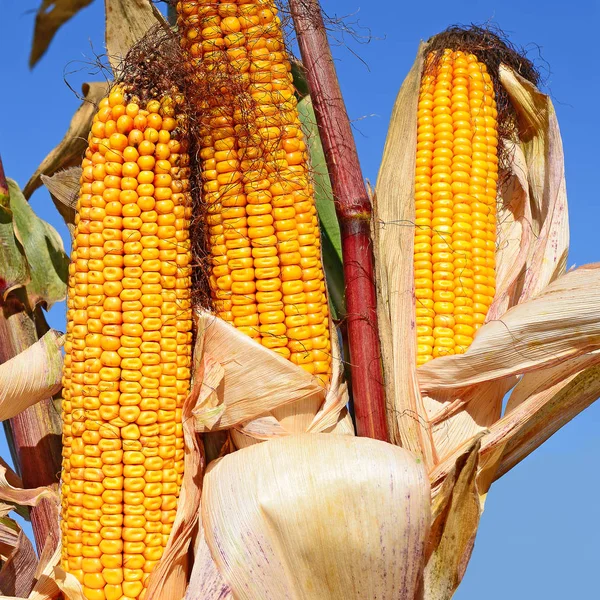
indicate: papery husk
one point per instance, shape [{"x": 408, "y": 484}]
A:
[
  {"x": 318, "y": 516},
  {"x": 432, "y": 422},
  {"x": 127, "y": 21},
  {"x": 257, "y": 393},
  {"x": 33, "y": 375},
  {"x": 557, "y": 395},
  {"x": 18, "y": 557},
  {"x": 206, "y": 582},
  {"x": 11, "y": 490},
  {"x": 51, "y": 15},
  {"x": 456, "y": 511}
]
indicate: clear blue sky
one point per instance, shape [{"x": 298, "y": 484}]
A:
[{"x": 538, "y": 537}]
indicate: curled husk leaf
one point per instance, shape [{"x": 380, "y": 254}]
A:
[
  {"x": 287, "y": 400},
  {"x": 33, "y": 375},
  {"x": 321, "y": 516}
]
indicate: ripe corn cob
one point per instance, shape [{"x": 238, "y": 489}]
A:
[
  {"x": 128, "y": 347},
  {"x": 267, "y": 277},
  {"x": 455, "y": 202}
]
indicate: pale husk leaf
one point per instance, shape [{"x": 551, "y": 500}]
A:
[
  {"x": 393, "y": 232},
  {"x": 554, "y": 397},
  {"x": 541, "y": 142},
  {"x": 24, "y": 497},
  {"x": 71, "y": 148},
  {"x": 456, "y": 510},
  {"x": 233, "y": 366},
  {"x": 33, "y": 375},
  {"x": 18, "y": 559},
  {"x": 561, "y": 322},
  {"x": 206, "y": 583},
  {"x": 127, "y": 21},
  {"x": 320, "y": 516},
  {"x": 286, "y": 400}
]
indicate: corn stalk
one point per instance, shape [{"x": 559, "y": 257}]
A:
[{"x": 353, "y": 209}]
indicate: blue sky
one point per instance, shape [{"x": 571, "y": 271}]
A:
[{"x": 538, "y": 534}]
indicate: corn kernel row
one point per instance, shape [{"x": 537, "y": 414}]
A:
[
  {"x": 128, "y": 347},
  {"x": 267, "y": 278},
  {"x": 455, "y": 202}
]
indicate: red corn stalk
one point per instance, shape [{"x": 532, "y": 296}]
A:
[
  {"x": 34, "y": 435},
  {"x": 353, "y": 209}
]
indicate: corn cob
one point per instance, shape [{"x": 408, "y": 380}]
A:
[
  {"x": 455, "y": 202},
  {"x": 267, "y": 278},
  {"x": 128, "y": 347}
]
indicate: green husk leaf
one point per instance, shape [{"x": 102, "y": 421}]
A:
[
  {"x": 330, "y": 229},
  {"x": 44, "y": 251},
  {"x": 299, "y": 75}
]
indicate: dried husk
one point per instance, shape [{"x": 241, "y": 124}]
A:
[
  {"x": 320, "y": 516},
  {"x": 260, "y": 395},
  {"x": 127, "y": 21},
  {"x": 32, "y": 376},
  {"x": 51, "y": 15},
  {"x": 541, "y": 333},
  {"x": 69, "y": 151}
]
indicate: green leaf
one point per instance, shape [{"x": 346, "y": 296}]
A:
[
  {"x": 14, "y": 271},
  {"x": 330, "y": 229},
  {"x": 299, "y": 75},
  {"x": 44, "y": 251}
]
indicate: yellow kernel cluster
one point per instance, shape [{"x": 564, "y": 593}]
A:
[
  {"x": 267, "y": 277},
  {"x": 455, "y": 202},
  {"x": 128, "y": 348}
]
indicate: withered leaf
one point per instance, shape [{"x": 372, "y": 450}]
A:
[
  {"x": 64, "y": 189},
  {"x": 127, "y": 21},
  {"x": 51, "y": 15},
  {"x": 71, "y": 148}
]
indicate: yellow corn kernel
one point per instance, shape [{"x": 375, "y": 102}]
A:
[
  {"x": 128, "y": 348},
  {"x": 455, "y": 204},
  {"x": 262, "y": 214}
]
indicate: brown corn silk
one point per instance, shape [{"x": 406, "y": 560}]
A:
[
  {"x": 455, "y": 202},
  {"x": 265, "y": 252},
  {"x": 128, "y": 345}
]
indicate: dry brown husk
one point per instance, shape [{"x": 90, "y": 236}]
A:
[{"x": 541, "y": 333}]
